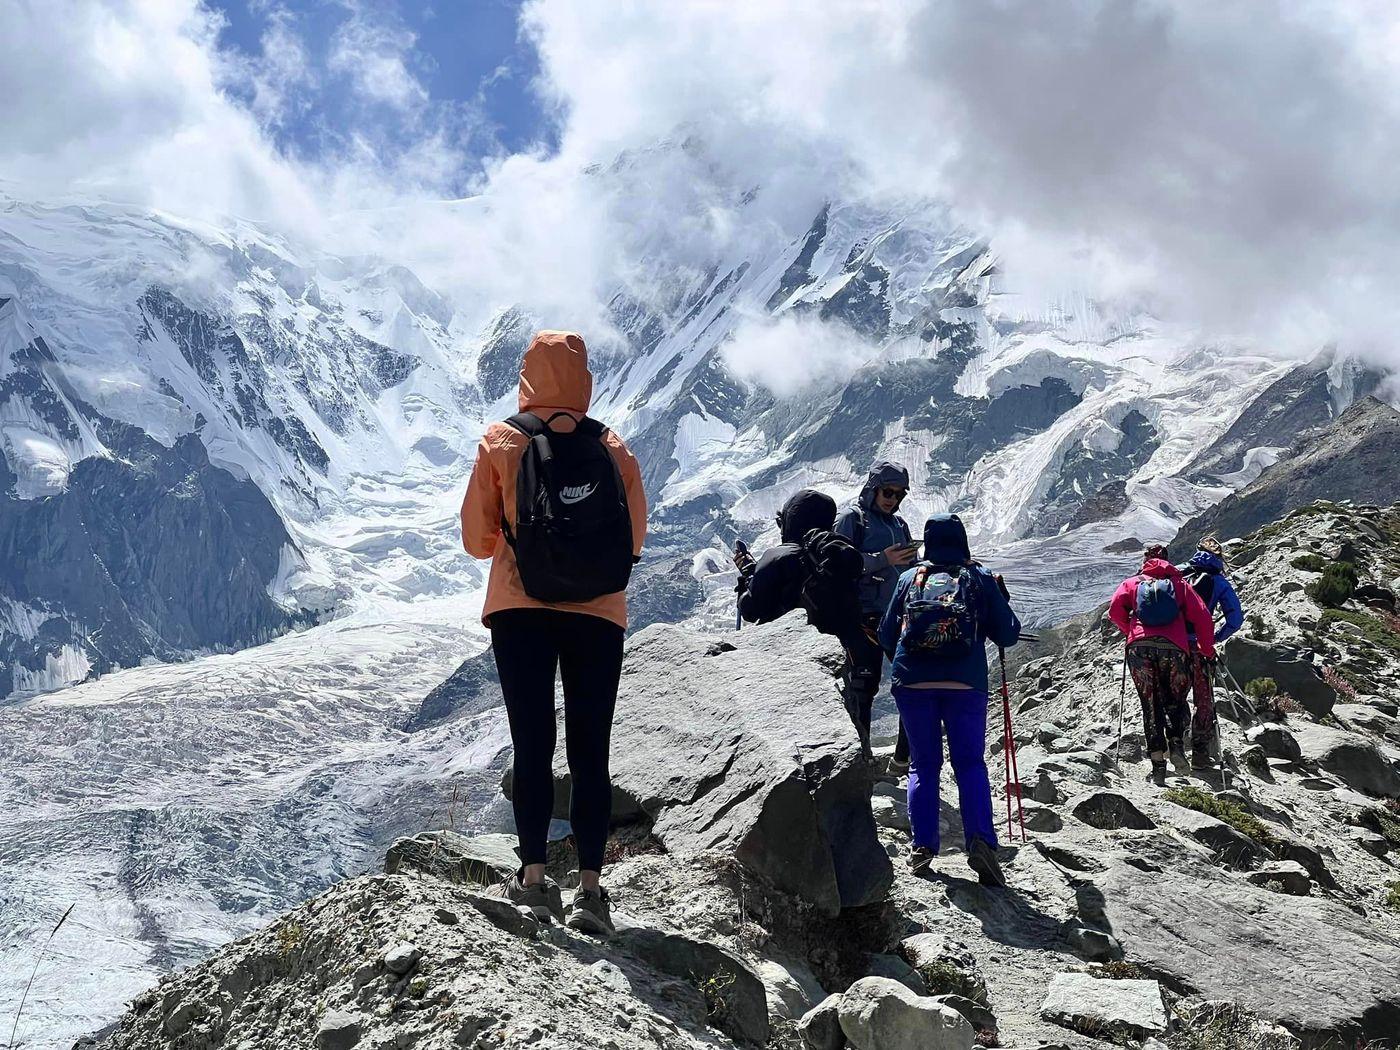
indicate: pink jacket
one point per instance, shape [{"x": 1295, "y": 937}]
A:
[{"x": 1121, "y": 610}]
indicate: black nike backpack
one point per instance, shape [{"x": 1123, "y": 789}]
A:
[{"x": 573, "y": 532}]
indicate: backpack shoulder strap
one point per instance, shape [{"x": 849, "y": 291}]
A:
[{"x": 527, "y": 423}]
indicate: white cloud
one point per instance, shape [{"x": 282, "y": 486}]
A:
[
  {"x": 374, "y": 55},
  {"x": 792, "y": 353},
  {"x": 1229, "y": 164}
]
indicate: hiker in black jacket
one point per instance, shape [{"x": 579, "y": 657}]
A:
[
  {"x": 787, "y": 576},
  {"x": 873, "y": 526}
]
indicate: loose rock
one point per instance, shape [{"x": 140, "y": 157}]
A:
[{"x": 880, "y": 1014}]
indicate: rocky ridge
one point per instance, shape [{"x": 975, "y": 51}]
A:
[{"x": 1256, "y": 903}]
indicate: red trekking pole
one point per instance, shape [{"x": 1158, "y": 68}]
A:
[{"x": 1013, "y": 775}]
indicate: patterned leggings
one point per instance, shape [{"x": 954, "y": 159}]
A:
[{"x": 1163, "y": 678}]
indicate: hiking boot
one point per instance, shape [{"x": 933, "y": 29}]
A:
[
  {"x": 1159, "y": 772},
  {"x": 543, "y": 899},
  {"x": 982, "y": 858},
  {"x": 1201, "y": 758},
  {"x": 1179, "y": 761},
  {"x": 920, "y": 857},
  {"x": 590, "y": 912},
  {"x": 899, "y": 768}
]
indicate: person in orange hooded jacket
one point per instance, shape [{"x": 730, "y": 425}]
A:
[
  {"x": 530, "y": 639},
  {"x": 1159, "y": 658}
]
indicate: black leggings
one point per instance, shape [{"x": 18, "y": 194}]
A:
[{"x": 529, "y": 645}]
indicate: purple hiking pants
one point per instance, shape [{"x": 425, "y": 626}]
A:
[{"x": 926, "y": 712}]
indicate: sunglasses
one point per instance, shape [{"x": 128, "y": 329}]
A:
[{"x": 895, "y": 494}]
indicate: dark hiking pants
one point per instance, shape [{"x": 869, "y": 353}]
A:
[
  {"x": 530, "y": 645},
  {"x": 1203, "y": 699},
  {"x": 1162, "y": 675},
  {"x": 861, "y": 682}
]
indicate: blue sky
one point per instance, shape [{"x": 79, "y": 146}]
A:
[{"x": 469, "y": 57}]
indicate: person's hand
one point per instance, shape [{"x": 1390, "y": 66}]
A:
[{"x": 899, "y": 555}]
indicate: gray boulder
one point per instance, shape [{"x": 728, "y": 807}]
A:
[
  {"x": 1285, "y": 876},
  {"x": 734, "y": 995},
  {"x": 1109, "y": 811},
  {"x": 881, "y": 1014},
  {"x": 1118, "y": 1010},
  {"x": 896, "y": 969},
  {"x": 741, "y": 745},
  {"x": 820, "y": 1027},
  {"x": 1353, "y": 759},
  {"x": 480, "y": 859},
  {"x": 1275, "y": 742},
  {"x": 339, "y": 1031},
  {"x": 1291, "y": 668}
]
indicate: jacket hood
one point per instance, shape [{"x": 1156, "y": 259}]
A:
[
  {"x": 945, "y": 540},
  {"x": 882, "y": 473},
  {"x": 554, "y": 373},
  {"x": 1160, "y": 569},
  {"x": 1208, "y": 562},
  {"x": 804, "y": 511}
]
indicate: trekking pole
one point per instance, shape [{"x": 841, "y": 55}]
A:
[
  {"x": 1122, "y": 700},
  {"x": 1012, "y": 772}
]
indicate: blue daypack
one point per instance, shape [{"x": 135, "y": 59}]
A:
[
  {"x": 940, "y": 612},
  {"x": 1157, "y": 604}
]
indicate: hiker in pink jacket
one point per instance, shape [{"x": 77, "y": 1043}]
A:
[{"x": 1153, "y": 609}]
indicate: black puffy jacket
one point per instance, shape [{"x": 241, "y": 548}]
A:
[{"x": 782, "y": 572}]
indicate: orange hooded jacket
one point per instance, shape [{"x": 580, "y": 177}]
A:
[{"x": 554, "y": 377}]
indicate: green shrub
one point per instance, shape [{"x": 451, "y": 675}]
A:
[
  {"x": 1261, "y": 688},
  {"x": 1372, "y": 629},
  {"x": 1259, "y": 627},
  {"x": 1392, "y": 896},
  {"x": 1239, "y": 818},
  {"x": 1337, "y": 585},
  {"x": 1309, "y": 562}
]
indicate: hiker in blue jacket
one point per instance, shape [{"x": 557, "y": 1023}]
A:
[
  {"x": 1206, "y": 574},
  {"x": 873, "y": 526},
  {"x": 943, "y": 612}
]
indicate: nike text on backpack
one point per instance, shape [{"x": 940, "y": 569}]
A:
[
  {"x": 1156, "y": 604},
  {"x": 940, "y": 615},
  {"x": 573, "y": 534}
]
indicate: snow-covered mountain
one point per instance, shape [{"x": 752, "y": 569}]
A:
[{"x": 231, "y": 437}]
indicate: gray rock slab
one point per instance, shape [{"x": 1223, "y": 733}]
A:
[{"x": 1103, "y": 1007}]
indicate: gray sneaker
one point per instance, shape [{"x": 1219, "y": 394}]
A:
[
  {"x": 982, "y": 858},
  {"x": 590, "y": 912},
  {"x": 920, "y": 859},
  {"x": 544, "y": 899},
  {"x": 1180, "y": 761}
]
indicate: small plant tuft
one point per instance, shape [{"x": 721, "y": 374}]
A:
[
  {"x": 1392, "y": 896},
  {"x": 1119, "y": 970},
  {"x": 1261, "y": 688},
  {"x": 1239, "y": 818},
  {"x": 1259, "y": 627},
  {"x": 1310, "y": 562},
  {"x": 289, "y": 937}
]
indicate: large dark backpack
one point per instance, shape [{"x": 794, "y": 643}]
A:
[
  {"x": 830, "y": 590},
  {"x": 1156, "y": 603},
  {"x": 940, "y": 611},
  {"x": 573, "y": 532},
  {"x": 1203, "y": 583}
]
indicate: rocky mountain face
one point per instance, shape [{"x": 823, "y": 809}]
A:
[
  {"x": 1256, "y": 905},
  {"x": 1350, "y": 458}
]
